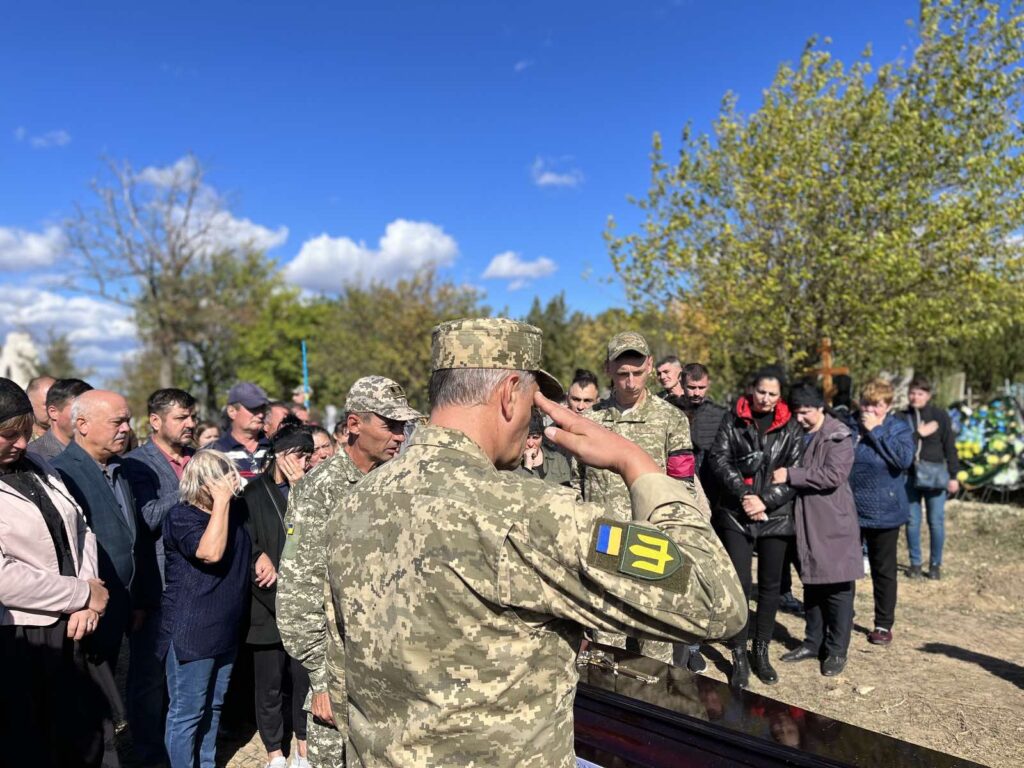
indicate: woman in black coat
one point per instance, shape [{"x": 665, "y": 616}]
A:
[
  {"x": 281, "y": 682},
  {"x": 753, "y": 513}
]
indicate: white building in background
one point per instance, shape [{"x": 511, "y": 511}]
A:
[{"x": 18, "y": 358}]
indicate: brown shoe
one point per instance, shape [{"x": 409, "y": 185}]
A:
[{"x": 880, "y": 636}]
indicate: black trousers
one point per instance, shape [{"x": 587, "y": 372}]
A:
[
  {"x": 281, "y": 687},
  {"x": 882, "y": 543},
  {"x": 771, "y": 557},
  {"x": 792, "y": 561},
  {"x": 53, "y": 710},
  {"x": 829, "y": 617}
]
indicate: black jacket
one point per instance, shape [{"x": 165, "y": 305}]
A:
[
  {"x": 743, "y": 461},
  {"x": 940, "y": 446},
  {"x": 266, "y": 521}
]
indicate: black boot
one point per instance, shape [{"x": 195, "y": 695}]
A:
[
  {"x": 914, "y": 572},
  {"x": 739, "y": 678},
  {"x": 935, "y": 572},
  {"x": 761, "y": 665}
]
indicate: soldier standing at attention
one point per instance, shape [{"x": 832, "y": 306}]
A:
[
  {"x": 659, "y": 428},
  {"x": 376, "y": 412},
  {"x": 462, "y": 591}
]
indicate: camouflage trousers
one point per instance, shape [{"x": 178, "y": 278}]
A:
[{"x": 326, "y": 745}]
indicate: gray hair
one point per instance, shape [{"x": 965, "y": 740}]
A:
[
  {"x": 470, "y": 386},
  {"x": 78, "y": 411},
  {"x": 206, "y": 466}
]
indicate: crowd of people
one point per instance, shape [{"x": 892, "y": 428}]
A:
[{"x": 360, "y": 602}]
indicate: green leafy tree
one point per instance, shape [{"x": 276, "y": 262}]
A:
[
  {"x": 877, "y": 206},
  {"x": 385, "y": 330},
  {"x": 58, "y": 359}
]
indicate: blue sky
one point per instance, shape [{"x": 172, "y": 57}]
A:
[{"x": 357, "y": 140}]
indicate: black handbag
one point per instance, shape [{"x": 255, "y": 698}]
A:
[{"x": 928, "y": 475}]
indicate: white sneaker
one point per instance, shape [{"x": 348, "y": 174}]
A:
[
  {"x": 278, "y": 762},
  {"x": 300, "y": 762}
]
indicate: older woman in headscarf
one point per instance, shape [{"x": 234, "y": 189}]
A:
[
  {"x": 827, "y": 531},
  {"x": 50, "y": 599}
]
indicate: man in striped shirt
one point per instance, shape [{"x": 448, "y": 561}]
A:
[{"x": 244, "y": 442}]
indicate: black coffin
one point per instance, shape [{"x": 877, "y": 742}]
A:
[{"x": 676, "y": 719}]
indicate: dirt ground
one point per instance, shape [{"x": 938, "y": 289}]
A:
[{"x": 952, "y": 680}]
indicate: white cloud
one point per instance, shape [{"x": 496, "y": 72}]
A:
[
  {"x": 101, "y": 333},
  {"x": 554, "y": 173},
  {"x": 511, "y": 266},
  {"x": 228, "y": 232},
  {"x": 209, "y": 217},
  {"x": 168, "y": 175},
  {"x": 24, "y": 250},
  {"x": 58, "y": 138},
  {"x": 328, "y": 264},
  {"x": 522, "y": 65}
]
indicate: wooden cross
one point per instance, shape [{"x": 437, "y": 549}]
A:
[{"x": 826, "y": 371}]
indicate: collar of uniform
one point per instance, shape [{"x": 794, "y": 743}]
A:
[
  {"x": 611, "y": 411},
  {"x": 452, "y": 439},
  {"x": 340, "y": 464}
]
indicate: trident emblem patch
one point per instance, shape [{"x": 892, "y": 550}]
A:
[
  {"x": 639, "y": 552},
  {"x": 649, "y": 554}
]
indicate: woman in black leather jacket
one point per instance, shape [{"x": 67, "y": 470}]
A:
[{"x": 757, "y": 438}]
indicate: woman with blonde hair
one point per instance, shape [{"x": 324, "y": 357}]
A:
[
  {"x": 208, "y": 569},
  {"x": 882, "y": 456}
]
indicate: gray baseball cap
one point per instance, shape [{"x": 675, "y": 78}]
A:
[{"x": 248, "y": 394}]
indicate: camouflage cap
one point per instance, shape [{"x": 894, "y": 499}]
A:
[
  {"x": 382, "y": 396},
  {"x": 492, "y": 342},
  {"x": 628, "y": 341}
]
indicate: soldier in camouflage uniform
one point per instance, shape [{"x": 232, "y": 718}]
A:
[
  {"x": 376, "y": 413},
  {"x": 552, "y": 466},
  {"x": 463, "y": 591},
  {"x": 660, "y": 429}
]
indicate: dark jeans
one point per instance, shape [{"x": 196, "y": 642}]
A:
[
  {"x": 196, "y": 690},
  {"x": 829, "y": 617},
  {"x": 771, "y": 556},
  {"x": 281, "y": 687},
  {"x": 881, "y": 544},
  {"x": 147, "y": 692}
]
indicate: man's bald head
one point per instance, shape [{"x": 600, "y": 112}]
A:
[{"x": 102, "y": 423}]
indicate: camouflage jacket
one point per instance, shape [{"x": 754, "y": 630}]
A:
[
  {"x": 462, "y": 593},
  {"x": 662, "y": 430},
  {"x": 305, "y": 616}
]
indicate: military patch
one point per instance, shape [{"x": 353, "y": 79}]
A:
[
  {"x": 640, "y": 553},
  {"x": 291, "y": 543}
]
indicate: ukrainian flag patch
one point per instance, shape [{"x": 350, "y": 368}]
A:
[{"x": 609, "y": 539}]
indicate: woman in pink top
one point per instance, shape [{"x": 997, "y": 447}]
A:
[{"x": 50, "y": 599}]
